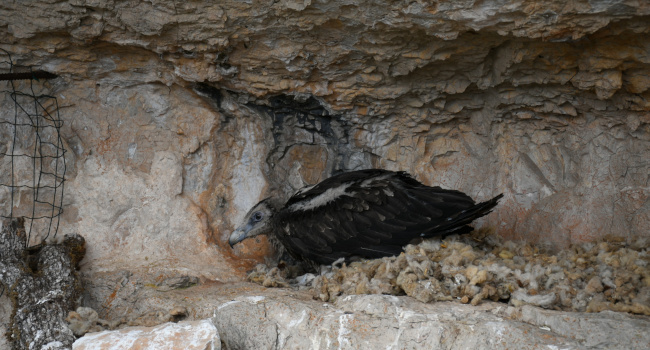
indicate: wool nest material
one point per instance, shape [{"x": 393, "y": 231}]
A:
[{"x": 589, "y": 277}]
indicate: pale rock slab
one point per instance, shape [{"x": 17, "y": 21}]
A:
[
  {"x": 389, "y": 322},
  {"x": 186, "y": 335},
  {"x": 140, "y": 221}
]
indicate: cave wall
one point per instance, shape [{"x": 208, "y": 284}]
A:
[{"x": 179, "y": 116}]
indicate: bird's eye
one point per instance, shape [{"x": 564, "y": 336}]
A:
[{"x": 257, "y": 216}]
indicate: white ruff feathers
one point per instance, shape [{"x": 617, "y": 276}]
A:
[{"x": 320, "y": 200}]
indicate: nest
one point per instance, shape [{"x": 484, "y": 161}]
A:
[{"x": 592, "y": 277}]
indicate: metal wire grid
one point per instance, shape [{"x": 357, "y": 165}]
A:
[{"x": 31, "y": 135}]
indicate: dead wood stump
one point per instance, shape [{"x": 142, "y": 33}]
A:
[{"x": 43, "y": 285}]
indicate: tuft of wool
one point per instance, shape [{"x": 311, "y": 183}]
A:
[{"x": 608, "y": 275}]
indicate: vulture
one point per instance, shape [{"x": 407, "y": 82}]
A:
[{"x": 367, "y": 213}]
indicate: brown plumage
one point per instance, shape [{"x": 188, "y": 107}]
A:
[{"x": 368, "y": 213}]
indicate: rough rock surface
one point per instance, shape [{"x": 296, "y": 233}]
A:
[
  {"x": 192, "y": 335},
  {"x": 248, "y": 316},
  {"x": 180, "y": 116},
  {"x": 373, "y": 321}
]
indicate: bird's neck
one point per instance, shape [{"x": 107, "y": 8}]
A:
[{"x": 276, "y": 203}]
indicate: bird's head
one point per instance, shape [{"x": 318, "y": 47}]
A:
[{"x": 256, "y": 222}]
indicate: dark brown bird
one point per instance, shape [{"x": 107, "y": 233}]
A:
[{"x": 368, "y": 213}]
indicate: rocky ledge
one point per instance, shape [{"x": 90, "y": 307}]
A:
[{"x": 249, "y": 317}]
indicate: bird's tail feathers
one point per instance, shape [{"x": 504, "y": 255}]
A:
[{"x": 458, "y": 222}]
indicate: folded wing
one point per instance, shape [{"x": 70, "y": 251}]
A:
[{"x": 371, "y": 213}]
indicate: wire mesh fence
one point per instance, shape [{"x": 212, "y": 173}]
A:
[{"x": 32, "y": 153}]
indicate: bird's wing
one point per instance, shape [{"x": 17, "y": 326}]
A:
[{"x": 371, "y": 214}]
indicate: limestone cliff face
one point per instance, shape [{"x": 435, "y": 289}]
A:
[{"x": 181, "y": 115}]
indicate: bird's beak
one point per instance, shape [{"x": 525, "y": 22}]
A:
[{"x": 237, "y": 236}]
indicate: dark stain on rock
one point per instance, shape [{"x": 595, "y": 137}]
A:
[{"x": 291, "y": 115}]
